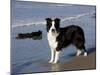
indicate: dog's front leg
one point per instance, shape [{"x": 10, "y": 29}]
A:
[
  {"x": 57, "y": 53},
  {"x": 52, "y": 55}
]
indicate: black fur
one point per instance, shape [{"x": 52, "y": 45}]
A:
[{"x": 71, "y": 35}]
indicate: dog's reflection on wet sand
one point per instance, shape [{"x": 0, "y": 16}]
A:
[{"x": 55, "y": 67}]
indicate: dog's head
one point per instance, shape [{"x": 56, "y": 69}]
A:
[{"x": 53, "y": 25}]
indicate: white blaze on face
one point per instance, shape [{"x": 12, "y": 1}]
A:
[
  {"x": 53, "y": 23},
  {"x": 52, "y": 27}
]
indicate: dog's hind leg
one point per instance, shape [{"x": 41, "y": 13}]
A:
[
  {"x": 85, "y": 54},
  {"x": 78, "y": 52},
  {"x": 84, "y": 51},
  {"x": 81, "y": 51}
]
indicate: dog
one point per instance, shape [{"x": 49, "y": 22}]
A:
[{"x": 59, "y": 38}]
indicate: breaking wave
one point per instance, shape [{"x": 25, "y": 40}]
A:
[{"x": 62, "y": 20}]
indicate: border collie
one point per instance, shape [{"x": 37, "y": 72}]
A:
[{"x": 59, "y": 38}]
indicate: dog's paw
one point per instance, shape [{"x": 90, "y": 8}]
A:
[
  {"x": 55, "y": 62},
  {"x": 50, "y": 61},
  {"x": 85, "y": 54}
]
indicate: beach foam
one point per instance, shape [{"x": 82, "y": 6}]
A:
[{"x": 62, "y": 20}]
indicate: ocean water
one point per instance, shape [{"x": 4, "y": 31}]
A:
[{"x": 28, "y": 55}]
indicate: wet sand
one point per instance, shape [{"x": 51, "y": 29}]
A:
[{"x": 77, "y": 63}]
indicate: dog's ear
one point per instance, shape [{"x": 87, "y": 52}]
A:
[
  {"x": 48, "y": 23},
  {"x": 57, "y": 20},
  {"x": 48, "y": 19},
  {"x": 57, "y": 24}
]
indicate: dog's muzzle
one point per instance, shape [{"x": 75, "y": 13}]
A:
[{"x": 53, "y": 30}]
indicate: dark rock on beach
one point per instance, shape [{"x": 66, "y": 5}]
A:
[{"x": 33, "y": 35}]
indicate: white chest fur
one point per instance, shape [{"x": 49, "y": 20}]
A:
[
  {"x": 53, "y": 45},
  {"x": 52, "y": 40}
]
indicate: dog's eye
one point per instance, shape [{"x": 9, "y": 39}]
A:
[{"x": 50, "y": 23}]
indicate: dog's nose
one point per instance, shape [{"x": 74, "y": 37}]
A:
[{"x": 53, "y": 30}]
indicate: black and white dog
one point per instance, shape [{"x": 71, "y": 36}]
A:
[{"x": 61, "y": 37}]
